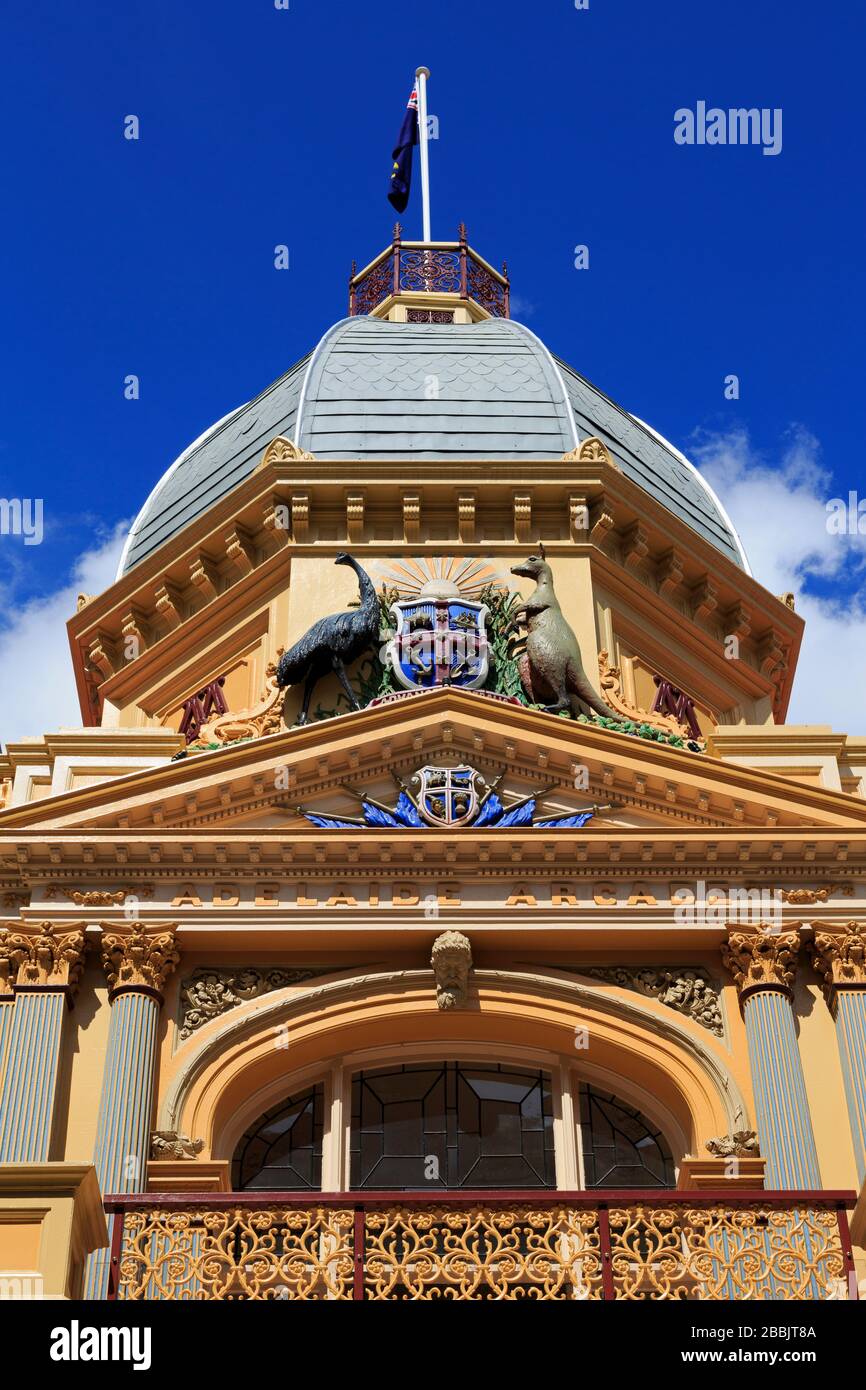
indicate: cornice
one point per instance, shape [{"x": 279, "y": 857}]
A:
[
  {"x": 702, "y": 642},
  {"x": 97, "y": 743},
  {"x": 171, "y": 657},
  {"x": 776, "y": 740},
  {"x": 249, "y": 509},
  {"x": 115, "y": 857},
  {"x": 467, "y": 725}
]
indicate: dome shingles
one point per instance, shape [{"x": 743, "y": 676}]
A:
[
  {"x": 387, "y": 390},
  {"x": 653, "y": 464},
  {"x": 215, "y": 463},
  {"x": 377, "y": 389}
]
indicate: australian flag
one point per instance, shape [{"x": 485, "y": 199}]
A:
[{"x": 401, "y": 169}]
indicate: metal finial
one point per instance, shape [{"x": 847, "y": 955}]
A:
[
  {"x": 398, "y": 231},
  {"x": 462, "y": 232}
]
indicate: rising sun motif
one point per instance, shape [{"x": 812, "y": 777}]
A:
[{"x": 410, "y": 576}]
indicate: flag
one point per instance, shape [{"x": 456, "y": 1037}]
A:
[{"x": 401, "y": 169}]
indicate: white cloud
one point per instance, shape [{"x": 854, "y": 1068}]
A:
[
  {"x": 780, "y": 513},
  {"x": 38, "y": 690}
]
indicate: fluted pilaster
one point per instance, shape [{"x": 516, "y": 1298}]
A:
[
  {"x": 7, "y": 1000},
  {"x": 840, "y": 959},
  {"x": 137, "y": 964},
  {"x": 42, "y": 966},
  {"x": 764, "y": 966}
]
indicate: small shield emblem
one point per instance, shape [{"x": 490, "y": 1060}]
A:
[{"x": 446, "y": 796}]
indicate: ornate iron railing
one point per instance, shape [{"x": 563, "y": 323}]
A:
[
  {"x": 469, "y": 1246},
  {"x": 440, "y": 267}
]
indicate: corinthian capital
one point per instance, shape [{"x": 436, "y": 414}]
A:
[
  {"x": 840, "y": 959},
  {"x": 762, "y": 960},
  {"x": 8, "y": 964},
  {"x": 139, "y": 959},
  {"x": 41, "y": 956}
]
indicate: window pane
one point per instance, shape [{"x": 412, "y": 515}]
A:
[
  {"x": 282, "y": 1151},
  {"x": 453, "y": 1125},
  {"x": 621, "y": 1148}
]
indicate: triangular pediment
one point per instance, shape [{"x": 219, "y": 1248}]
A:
[{"x": 259, "y": 785}]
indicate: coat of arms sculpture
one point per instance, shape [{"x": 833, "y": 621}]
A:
[{"x": 440, "y": 638}]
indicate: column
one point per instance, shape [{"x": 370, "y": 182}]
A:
[
  {"x": 8, "y": 970},
  {"x": 137, "y": 964},
  {"x": 45, "y": 967},
  {"x": 764, "y": 965},
  {"x": 840, "y": 959}
]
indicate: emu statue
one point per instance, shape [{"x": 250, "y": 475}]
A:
[
  {"x": 332, "y": 643},
  {"x": 550, "y": 667}
]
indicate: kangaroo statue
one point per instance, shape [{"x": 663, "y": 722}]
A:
[{"x": 550, "y": 667}]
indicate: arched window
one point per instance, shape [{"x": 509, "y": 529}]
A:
[
  {"x": 282, "y": 1151},
  {"x": 450, "y": 1125},
  {"x": 434, "y": 1125},
  {"x": 620, "y": 1147}
]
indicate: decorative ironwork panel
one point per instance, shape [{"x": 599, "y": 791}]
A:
[
  {"x": 430, "y": 270},
  {"x": 199, "y": 708},
  {"x": 429, "y": 316},
  {"x": 375, "y": 286},
  {"x": 282, "y": 1151},
  {"x": 620, "y": 1147},
  {"x": 433, "y": 272},
  {"x": 451, "y": 1125},
  {"x": 749, "y": 1253},
  {"x": 469, "y": 1248},
  {"x": 486, "y": 290},
  {"x": 236, "y": 1254},
  {"x": 475, "y": 1253}
]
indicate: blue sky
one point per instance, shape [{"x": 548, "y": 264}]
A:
[{"x": 262, "y": 126}]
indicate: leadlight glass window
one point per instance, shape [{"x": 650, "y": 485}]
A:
[
  {"x": 620, "y": 1146},
  {"x": 282, "y": 1151},
  {"x": 425, "y": 1126}
]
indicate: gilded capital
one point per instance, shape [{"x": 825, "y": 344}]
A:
[
  {"x": 139, "y": 959},
  {"x": 41, "y": 956},
  {"x": 762, "y": 960},
  {"x": 840, "y": 959}
]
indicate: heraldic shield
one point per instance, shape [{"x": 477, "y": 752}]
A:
[
  {"x": 446, "y": 796},
  {"x": 439, "y": 640}
]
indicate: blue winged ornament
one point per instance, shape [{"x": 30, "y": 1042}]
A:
[{"x": 450, "y": 798}]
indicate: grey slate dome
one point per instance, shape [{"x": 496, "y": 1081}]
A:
[{"x": 379, "y": 389}]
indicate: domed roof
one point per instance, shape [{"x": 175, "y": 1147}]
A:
[{"x": 378, "y": 389}]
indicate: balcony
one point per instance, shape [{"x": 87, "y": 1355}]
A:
[
  {"x": 429, "y": 281},
  {"x": 633, "y": 1246}
]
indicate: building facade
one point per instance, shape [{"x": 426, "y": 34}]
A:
[{"x": 433, "y": 901}]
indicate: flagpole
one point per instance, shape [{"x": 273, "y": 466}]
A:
[{"x": 421, "y": 75}]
